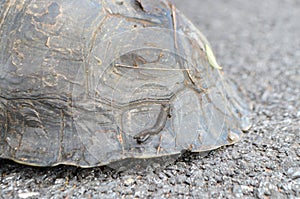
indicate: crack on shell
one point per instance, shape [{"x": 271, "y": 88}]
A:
[
  {"x": 138, "y": 3},
  {"x": 30, "y": 115}
]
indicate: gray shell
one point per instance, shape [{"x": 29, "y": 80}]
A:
[{"x": 92, "y": 82}]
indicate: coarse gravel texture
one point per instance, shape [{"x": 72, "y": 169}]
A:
[{"x": 258, "y": 44}]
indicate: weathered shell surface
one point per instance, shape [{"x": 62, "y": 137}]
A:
[{"x": 92, "y": 82}]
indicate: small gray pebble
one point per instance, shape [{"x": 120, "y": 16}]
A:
[
  {"x": 294, "y": 173},
  {"x": 237, "y": 190}
]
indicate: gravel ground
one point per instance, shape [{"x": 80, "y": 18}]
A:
[{"x": 258, "y": 44}]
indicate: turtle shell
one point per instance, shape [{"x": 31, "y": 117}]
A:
[{"x": 89, "y": 83}]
